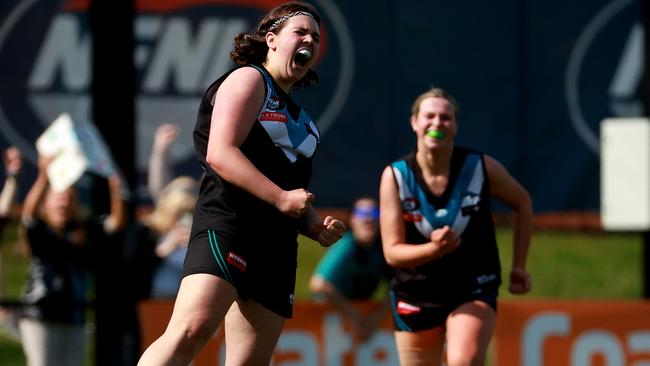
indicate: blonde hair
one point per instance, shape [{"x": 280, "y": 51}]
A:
[
  {"x": 177, "y": 197},
  {"x": 435, "y": 92}
]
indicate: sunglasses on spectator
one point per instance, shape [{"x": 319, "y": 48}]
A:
[{"x": 366, "y": 213}]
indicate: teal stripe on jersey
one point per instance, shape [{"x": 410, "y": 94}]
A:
[{"x": 217, "y": 255}]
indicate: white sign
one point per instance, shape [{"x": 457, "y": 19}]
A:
[
  {"x": 625, "y": 174},
  {"x": 77, "y": 147}
]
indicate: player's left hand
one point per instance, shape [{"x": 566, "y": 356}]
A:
[
  {"x": 519, "y": 281},
  {"x": 331, "y": 230}
]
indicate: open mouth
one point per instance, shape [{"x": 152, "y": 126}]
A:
[{"x": 302, "y": 56}]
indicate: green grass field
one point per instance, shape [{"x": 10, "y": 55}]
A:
[{"x": 565, "y": 265}]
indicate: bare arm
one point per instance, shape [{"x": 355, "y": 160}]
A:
[
  {"x": 505, "y": 188},
  {"x": 13, "y": 166},
  {"x": 36, "y": 193},
  {"x": 319, "y": 285},
  {"x": 397, "y": 252},
  {"x": 177, "y": 237},
  {"x": 8, "y": 195},
  {"x": 236, "y": 106},
  {"x": 159, "y": 171},
  {"x": 117, "y": 216}
]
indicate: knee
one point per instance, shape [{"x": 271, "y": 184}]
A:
[
  {"x": 192, "y": 335},
  {"x": 466, "y": 358}
]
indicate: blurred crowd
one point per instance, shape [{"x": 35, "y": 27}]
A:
[{"x": 60, "y": 234}]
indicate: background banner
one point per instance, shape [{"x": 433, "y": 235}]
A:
[
  {"x": 530, "y": 94},
  {"x": 317, "y": 335},
  {"x": 528, "y": 333},
  {"x": 573, "y": 333}
]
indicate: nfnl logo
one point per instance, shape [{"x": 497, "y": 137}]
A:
[
  {"x": 605, "y": 68},
  {"x": 181, "y": 46}
]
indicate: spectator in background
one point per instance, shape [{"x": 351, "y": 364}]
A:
[
  {"x": 59, "y": 240},
  {"x": 156, "y": 244},
  {"x": 13, "y": 164},
  {"x": 159, "y": 240},
  {"x": 353, "y": 268},
  {"x": 159, "y": 170},
  {"x": 437, "y": 233},
  {"x": 155, "y": 249}
]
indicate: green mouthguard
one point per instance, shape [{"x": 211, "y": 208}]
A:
[{"x": 438, "y": 135}]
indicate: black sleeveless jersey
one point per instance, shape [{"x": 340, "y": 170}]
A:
[
  {"x": 281, "y": 145},
  {"x": 471, "y": 269}
]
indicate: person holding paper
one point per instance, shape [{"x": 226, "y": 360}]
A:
[{"x": 59, "y": 240}]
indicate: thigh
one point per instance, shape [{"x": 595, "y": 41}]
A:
[
  {"x": 252, "y": 332},
  {"x": 423, "y": 347},
  {"x": 201, "y": 303},
  {"x": 469, "y": 329}
]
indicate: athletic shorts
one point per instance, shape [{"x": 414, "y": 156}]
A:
[
  {"x": 412, "y": 318},
  {"x": 262, "y": 271}
]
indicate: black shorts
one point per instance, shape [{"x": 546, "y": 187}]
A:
[
  {"x": 260, "y": 269},
  {"x": 412, "y": 318}
]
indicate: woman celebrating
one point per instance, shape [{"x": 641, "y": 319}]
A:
[
  {"x": 438, "y": 234},
  {"x": 256, "y": 146}
]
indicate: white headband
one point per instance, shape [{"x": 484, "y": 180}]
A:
[{"x": 283, "y": 18}]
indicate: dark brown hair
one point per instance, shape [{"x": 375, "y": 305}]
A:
[{"x": 251, "y": 49}]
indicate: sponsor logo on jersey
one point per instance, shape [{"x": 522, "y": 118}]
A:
[
  {"x": 273, "y": 117},
  {"x": 410, "y": 204},
  {"x": 412, "y": 217},
  {"x": 275, "y": 103},
  {"x": 470, "y": 204},
  {"x": 441, "y": 213},
  {"x": 237, "y": 261},
  {"x": 410, "y": 213},
  {"x": 404, "y": 308},
  {"x": 486, "y": 278}
]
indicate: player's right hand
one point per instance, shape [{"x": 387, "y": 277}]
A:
[
  {"x": 444, "y": 240},
  {"x": 295, "y": 202}
]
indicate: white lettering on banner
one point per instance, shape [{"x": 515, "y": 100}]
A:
[
  {"x": 64, "y": 49},
  {"x": 628, "y": 76},
  {"x": 381, "y": 343},
  {"x": 587, "y": 345},
  {"x": 639, "y": 342},
  {"x": 190, "y": 59},
  {"x": 220, "y": 61},
  {"x": 300, "y": 342},
  {"x": 337, "y": 342},
  {"x": 379, "y": 350},
  {"x": 594, "y": 343},
  {"x": 537, "y": 330}
]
